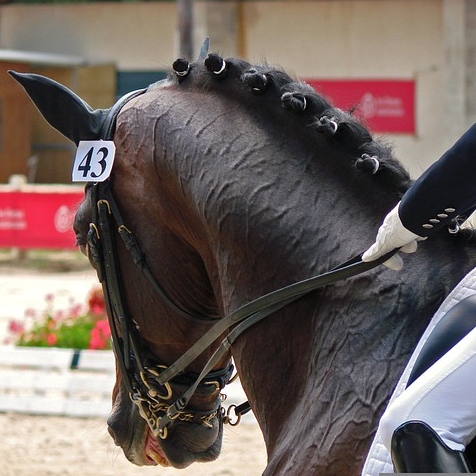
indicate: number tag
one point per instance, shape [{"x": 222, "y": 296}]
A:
[{"x": 93, "y": 161}]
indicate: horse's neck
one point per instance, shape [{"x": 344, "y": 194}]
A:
[{"x": 337, "y": 354}]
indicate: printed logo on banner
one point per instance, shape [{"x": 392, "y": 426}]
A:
[
  {"x": 40, "y": 217},
  {"x": 63, "y": 219},
  {"x": 381, "y": 106},
  {"x": 385, "y": 105}
]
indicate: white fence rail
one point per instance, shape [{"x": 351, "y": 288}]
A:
[{"x": 52, "y": 381}]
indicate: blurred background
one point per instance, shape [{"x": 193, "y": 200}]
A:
[
  {"x": 407, "y": 67},
  {"x": 410, "y": 65}
]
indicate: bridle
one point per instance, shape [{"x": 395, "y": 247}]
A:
[
  {"x": 139, "y": 369},
  {"x": 162, "y": 393}
]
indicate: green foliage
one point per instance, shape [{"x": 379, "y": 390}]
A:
[{"x": 78, "y": 327}]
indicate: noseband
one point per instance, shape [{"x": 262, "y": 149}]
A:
[{"x": 162, "y": 393}]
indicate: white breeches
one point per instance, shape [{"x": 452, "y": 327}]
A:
[{"x": 444, "y": 397}]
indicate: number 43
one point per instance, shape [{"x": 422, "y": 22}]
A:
[{"x": 93, "y": 161}]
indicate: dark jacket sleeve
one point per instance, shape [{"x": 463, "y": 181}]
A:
[{"x": 445, "y": 190}]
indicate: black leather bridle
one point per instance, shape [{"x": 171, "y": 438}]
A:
[
  {"x": 139, "y": 369},
  {"x": 162, "y": 393}
]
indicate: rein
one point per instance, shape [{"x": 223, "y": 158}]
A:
[
  {"x": 153, "y": 386},
  {"x": 250, "y": 314},
  {"x": 144, "y": 380}
]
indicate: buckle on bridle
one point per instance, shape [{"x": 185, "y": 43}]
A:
[{"x": 152, "y": 390}]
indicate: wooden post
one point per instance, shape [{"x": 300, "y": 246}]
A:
[{"x": 185, "y": 25}]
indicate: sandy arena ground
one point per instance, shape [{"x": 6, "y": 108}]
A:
[{"x": 59, "y": 446}]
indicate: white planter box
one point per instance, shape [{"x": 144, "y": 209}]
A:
[{"x": 52, "y": 381}]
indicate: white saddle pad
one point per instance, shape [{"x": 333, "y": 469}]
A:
[{"x": 378, "y": 460}]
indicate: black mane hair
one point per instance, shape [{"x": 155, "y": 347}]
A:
[{"x": 341, "y": 128}]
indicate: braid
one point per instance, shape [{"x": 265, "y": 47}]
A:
[{"x": 312, "y": 110}]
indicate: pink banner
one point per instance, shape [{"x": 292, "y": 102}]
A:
[
  {"x": 38, "y": 216},
  {"x": 385, "y": 105}
]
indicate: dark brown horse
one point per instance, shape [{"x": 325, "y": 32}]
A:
[{"x": 235, "y": 181}]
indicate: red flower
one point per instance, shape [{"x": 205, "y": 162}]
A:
[
  {"x": 96, "y": 302},
  {"x": 51, "y": 339},
  {"x": 30, "y": 312},
  {"x": 16, "y": 327},
  {"x": 78, "y": 326},
  {"x": 50, "y": 297},
  {"x": 100, "y": 335}
]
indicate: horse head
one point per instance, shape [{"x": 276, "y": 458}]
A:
[
  {"x": 164, "y": 322},
  {"x": 230, "y": 181}
]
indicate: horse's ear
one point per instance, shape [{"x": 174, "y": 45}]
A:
[
  {"x": 204, "y": 49},
  {"x": 62, "y": 108}
]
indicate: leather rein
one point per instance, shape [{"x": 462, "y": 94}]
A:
[{"x": 162, "y": 393}]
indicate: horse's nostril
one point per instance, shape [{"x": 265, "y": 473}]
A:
[
  {"x": 111, "y": 432},
  {"x": 110, "y": 425},
  {"x": 113, "y": 436}
]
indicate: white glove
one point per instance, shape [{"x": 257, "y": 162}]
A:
[{"x": 392, "y": 234}]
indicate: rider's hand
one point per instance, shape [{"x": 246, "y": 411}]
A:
[{"x": 392, "y": 234}]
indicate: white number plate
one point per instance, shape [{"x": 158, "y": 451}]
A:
[{"x": 93, "y": 161}]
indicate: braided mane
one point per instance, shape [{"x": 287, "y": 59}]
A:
[{"x": 312, "y": 110}]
